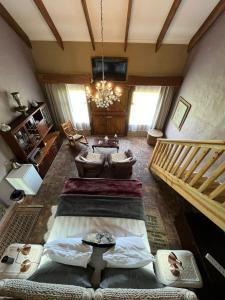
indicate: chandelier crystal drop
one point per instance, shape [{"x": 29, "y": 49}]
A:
[{"x": 105, "y": 94}]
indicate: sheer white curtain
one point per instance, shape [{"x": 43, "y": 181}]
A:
[
  {"x": 68, "y": 102},
  {"x": 143, "y": 107},
  {"x": 78, "y": 106},
  {"x": 58, "y": 102}
]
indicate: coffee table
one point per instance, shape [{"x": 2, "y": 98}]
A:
[{"x": 101, "y": 143}]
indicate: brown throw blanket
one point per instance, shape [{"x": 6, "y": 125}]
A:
[{"x": 103, "y": 186}]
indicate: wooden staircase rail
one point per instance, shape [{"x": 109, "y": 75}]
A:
[{"x": 196, "y": 170}]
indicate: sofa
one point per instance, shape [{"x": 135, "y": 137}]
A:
[{"x": 25, "y": 289}]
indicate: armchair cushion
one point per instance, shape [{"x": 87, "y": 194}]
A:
[
  {"x": 94, "y": 157},
  {"x": 116, "y": 157}
]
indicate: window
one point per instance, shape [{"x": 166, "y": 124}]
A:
[
  {"x": 78, "y": 106},
  {"x": 143, "y": 107}
]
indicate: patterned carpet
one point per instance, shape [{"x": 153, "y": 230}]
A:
[
  {"x": 160, "y": 203},
  {"x": 19, "y": 226}
]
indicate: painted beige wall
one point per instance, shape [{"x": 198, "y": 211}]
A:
[
  {"x": 76, "y": 58},
  {"x": 204, "y": 88},
  {"x": 17, "y": 73}
]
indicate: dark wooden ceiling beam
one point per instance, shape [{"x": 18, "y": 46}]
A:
[
  {"x": 166, "y": 25},
  {"x": 216, "y": 12},
  {"x": 153, "y": 80},
  {"x": 132, "y": 79},
  {"x": 48, "y": 20},
  {"x": 64, "y": 78},
  {"x": 128, "y": 23},
  {"x": 14, "y": 25},
  {"x": 86, "y": 14}
]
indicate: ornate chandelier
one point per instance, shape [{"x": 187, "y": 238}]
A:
[{"x": 105, "y": 94}]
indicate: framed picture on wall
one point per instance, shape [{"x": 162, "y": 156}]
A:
[{"x": 180, "y": 113}]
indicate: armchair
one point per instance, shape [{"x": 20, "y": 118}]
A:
[
  {"x": 121, "y": 164},
  {"x": 89, "y": 164},
  {"x": 72, "y": 135}
]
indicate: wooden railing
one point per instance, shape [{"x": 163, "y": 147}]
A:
[{"x": 196, "y": 170}]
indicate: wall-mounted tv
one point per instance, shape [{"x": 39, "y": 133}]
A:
[{"x": 115, "y": 68}]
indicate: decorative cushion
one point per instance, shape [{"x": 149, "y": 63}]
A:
[
  {"x": 166, "y": 293},
  {"x": 129, "y": 278},
  {"x": 53, "y": 272},
  {"x": 26, "y": 289}
]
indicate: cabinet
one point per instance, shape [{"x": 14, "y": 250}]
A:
[
  {"x": 30, "y": 138},
  {"x": 52, "y": 142},
  {"x": 112, "y": 120},
  {"x": 25, "y": 178}
]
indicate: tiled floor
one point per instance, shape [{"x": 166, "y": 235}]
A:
[{"x": 156, "y": 193}]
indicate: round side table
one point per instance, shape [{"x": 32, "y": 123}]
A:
[{"x": 153, "y": 135}]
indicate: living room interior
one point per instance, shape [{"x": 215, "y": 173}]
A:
[{"x": 112, "y": 142}]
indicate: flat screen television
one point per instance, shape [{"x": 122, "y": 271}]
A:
[{"x": 115, "y": 68}]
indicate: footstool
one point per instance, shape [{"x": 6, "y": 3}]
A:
[
  {"x": 189, "y": 277},
  {"x": 14, "y": 270},
  {"x": 153, "y": 135}
]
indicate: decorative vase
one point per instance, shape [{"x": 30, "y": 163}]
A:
[{"x": 21, "y": 108}]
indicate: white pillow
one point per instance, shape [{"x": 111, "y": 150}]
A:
[
  {"x": 69, "y": 251},
  {"x": 129, "y": 252}
]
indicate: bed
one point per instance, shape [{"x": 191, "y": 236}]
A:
[
  {"x": 107, "y": 213},
  {"x": 117, "y": 220}
]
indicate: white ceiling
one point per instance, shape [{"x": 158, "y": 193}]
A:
[{"x": 147, "y": 19}]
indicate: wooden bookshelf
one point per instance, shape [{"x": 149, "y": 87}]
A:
[{"x": 31, "y": 138}]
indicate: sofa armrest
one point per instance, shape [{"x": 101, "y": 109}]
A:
[
  {"x": 26, "y": 289},
  {"x": 167, "y": 293}
]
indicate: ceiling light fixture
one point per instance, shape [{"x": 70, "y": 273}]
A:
[{"x": 105, "y": 94}]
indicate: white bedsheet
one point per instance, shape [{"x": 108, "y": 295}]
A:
[{"x": 75, "y": 226}]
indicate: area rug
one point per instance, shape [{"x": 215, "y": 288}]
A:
[
  {"x": 2, "y": 210},
  {"x": 19, "y": 226},
  {"x": 157, "y": 235}
]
